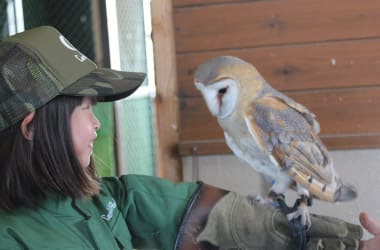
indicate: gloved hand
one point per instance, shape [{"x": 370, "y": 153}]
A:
[{"x": 235, "y": 222}]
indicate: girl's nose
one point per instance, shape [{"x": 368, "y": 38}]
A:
[{"x": 96, "y": 123}]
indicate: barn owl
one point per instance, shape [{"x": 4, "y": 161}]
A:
[{"x": 275, "y": 135}]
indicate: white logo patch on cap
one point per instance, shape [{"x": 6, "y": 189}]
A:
[{"x": 80, "y": 57}]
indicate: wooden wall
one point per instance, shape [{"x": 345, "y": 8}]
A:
[{"x": 324, "y": 54}]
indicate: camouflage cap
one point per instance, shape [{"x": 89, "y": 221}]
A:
[{"x": 40, "y": 64}]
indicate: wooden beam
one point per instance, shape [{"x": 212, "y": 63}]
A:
[{"x": 168, "y": 160}]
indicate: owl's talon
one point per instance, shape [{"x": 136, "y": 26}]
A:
[
  {"x": 279, "y": 201},
  {"x": 304, "y": 199},
  {"x": 298, "y": 218},
  {"x": 302, "y": 214}
]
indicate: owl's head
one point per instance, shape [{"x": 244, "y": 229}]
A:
[{"x": 221, "y": 83}]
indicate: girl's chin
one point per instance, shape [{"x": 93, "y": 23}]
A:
[{"x": 86, "y": 164}]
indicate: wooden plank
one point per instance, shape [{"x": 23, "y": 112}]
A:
[
  {"x": 350, "y": 142},
  {"x": 345, "y": 116},
  {"x": 192, "y": 3},
  {"x": 212, "y": 147},
  {"x": 303, "y": 67},
  {"x": 168, "y": 163},
  {"x": 267, "y": 23}
]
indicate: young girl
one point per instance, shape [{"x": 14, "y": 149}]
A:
[{"x": 51, "y": 197}]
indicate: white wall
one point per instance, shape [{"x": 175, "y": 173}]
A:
[{"x": 359, "y": 167}]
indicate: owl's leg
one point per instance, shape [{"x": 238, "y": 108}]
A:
[
  {"x": 301, "y": 207},
  {"x": 279, "y": 185},
  {"x": 295, "y": 214}
]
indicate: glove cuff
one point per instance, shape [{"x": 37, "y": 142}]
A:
[{"x": 195, "y": 217}]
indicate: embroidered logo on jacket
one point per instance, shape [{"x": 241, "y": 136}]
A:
[{"x": 111, "y": 205}]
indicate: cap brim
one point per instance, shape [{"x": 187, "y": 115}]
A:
[{"x": 109, "y": 85}]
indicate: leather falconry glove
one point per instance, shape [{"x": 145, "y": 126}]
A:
[{"x": 235, "y": 222}]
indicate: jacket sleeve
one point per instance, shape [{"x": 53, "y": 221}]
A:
[{"x": 153, "y": 208}]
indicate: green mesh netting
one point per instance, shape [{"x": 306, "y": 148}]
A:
[{"x": 3, "y": 19}]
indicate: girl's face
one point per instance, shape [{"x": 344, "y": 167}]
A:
[{"x": 83, "y": 131}]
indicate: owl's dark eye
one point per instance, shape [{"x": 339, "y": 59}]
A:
[{"x": 222, "y": 91}]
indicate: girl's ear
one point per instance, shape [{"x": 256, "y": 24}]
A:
[{"x": 26, "y": 129}]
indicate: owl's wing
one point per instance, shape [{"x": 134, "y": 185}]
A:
[
  {"x": 305, "y": 112},
  {"x": 283, "y": 132}
]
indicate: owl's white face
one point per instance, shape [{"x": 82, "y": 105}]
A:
[{"x": 221, "y": 97}]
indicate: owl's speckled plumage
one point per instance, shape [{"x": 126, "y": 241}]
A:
[{"x": 271, "y": 132}]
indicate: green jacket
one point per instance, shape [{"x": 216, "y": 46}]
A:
[{"x": 130, "y": 212}]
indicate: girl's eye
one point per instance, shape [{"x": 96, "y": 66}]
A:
[
  {"x": 86, "y": 103},
  {"x": 87, "y": 106}
]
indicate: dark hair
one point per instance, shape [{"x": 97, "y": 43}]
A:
[{"x": 29, "y": 169}]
